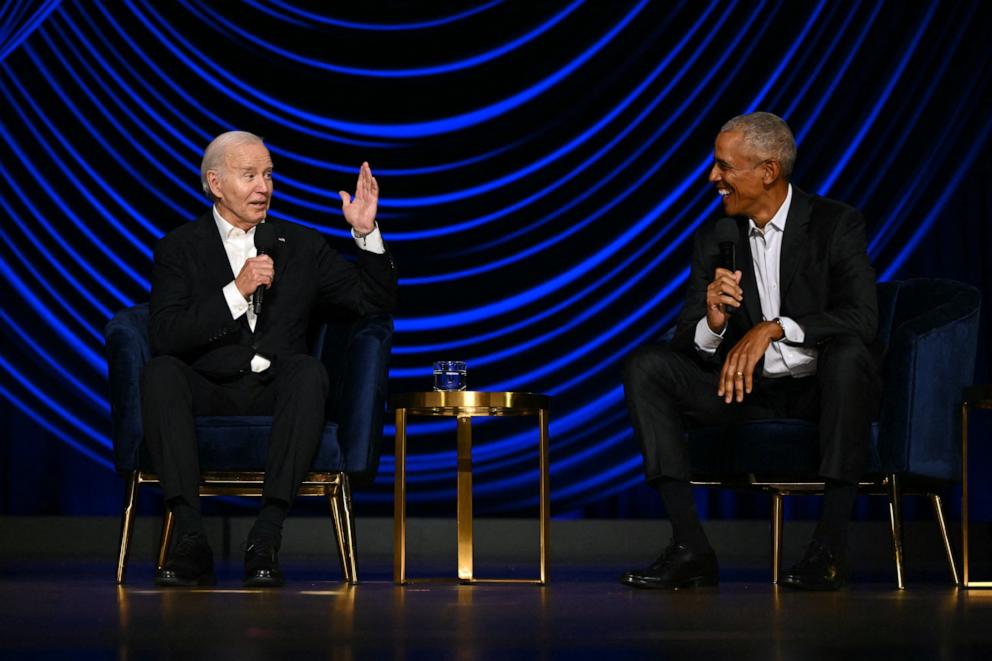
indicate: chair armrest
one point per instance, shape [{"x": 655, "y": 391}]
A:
[
  {"x": 356, "y": 355},
  {"x": 930, "y": 360},
  {"x": 127, "y": 350}
]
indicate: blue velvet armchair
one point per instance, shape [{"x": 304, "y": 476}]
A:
[
  {"x": 233, "y": 449},
  {"x": 929, "y": 331}
]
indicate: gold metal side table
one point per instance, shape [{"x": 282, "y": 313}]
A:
[
  {"x": 465, "y": 405},
  {"x": 975, "y": 397}
]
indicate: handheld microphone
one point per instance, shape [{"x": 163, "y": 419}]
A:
[
  {"x": 726, "y": 235},
  {"x": 265, "y": 239}
]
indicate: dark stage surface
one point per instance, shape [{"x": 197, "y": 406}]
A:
[
  {"x": 58, "y": 598},
  {"x": 72, "y": 609}
]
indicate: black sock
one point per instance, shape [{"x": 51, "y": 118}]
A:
[
  {"x": 838, "y": 502},
  {"x": 187, "y": 516},
  {"x": 268, "y": 525},
  {"x": 686, "y": 526}
]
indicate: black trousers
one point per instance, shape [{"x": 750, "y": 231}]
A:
[
  {"x": 293, "y": 390},
  {"x": 668, "y": 391}
]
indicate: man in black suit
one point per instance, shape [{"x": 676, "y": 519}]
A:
[
  {"x": 213, "y": 355},
  {"x": 785, "y": 335}
]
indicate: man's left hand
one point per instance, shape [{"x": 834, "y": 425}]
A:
[
  {"x": 360, "y": 211},
  {"x": 737, "y": 377}
]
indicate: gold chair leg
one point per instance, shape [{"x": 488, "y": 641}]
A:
[
  {"x": 332, "y": 500},
  {"x": 777, "y": 520},
  {"x": 938, "y": 512},
  {"x": 344, "y": 529},
  {"x": 895, "y": 519},
  {"x": 165, "y": 538},
  {"x": 127, "y": 524}
]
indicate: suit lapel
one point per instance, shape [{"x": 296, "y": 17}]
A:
[
  {"x": 794, "y": 241},
  {"x": 212, "y": 255},
  {"x": 210, "y": 249}
]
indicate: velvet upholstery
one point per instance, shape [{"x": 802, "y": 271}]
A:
[
  {"x": 355, "y": 352},
  {"x": 928, "y": 334}
]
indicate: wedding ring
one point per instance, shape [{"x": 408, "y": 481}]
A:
[{"x": 740, "y": 374}]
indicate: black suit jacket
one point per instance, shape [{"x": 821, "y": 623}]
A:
[
  {"x": 826, "y": 283},
  {"x": 190, "y": 318}
]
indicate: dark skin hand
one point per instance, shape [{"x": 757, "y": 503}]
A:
[{"x": 737, "y": 376}]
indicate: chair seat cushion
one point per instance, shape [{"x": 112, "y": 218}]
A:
[
  {"x": 242, "y": 443},
  {"x": 764, "y": 447}
]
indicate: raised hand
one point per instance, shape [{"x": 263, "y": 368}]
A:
[{"x": 360, "y": 211}]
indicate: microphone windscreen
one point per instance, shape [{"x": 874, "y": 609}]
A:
[
  {"x": 725, "y": 232},
  {"x": 265, "y": 238}
]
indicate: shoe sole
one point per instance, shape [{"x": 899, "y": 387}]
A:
[
  {"x": 822, "y": 587},
  {"x": 202, "y": 581},
  {"x": 695, "y": 582},
  {"x": 255, "y": 582}
]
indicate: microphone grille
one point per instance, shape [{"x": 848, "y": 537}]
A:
[
  {"x": 725, "y": 231},
  {"x": 265, "y": 237}
]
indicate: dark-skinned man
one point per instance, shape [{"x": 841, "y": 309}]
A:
[{"x": 787, "y": 335}]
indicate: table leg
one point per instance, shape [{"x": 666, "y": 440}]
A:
[
  {"x": 545, "y": 498},
  {"x": 399, "y": 501},
  {"x": 465, "y": 498}
]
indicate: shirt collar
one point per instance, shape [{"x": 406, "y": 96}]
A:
[
  {"x": 226, "y": 229},
  {"x": 778, "y": 220}
]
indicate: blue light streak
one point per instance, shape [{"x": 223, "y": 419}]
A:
[
  {"x": 383, "y": 27},
  {"x": 227, "y": 27}
]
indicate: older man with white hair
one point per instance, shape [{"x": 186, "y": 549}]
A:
[{"x": 215, "y": 353}]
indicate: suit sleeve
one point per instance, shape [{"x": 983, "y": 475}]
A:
[
  {"x": 365, "y": 287},
  {"x": 852, "y": 307},
  {"x": 694, "y": 306},
  {"x": 184, "y": 318}
]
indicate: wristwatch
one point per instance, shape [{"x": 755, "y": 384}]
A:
[
  {"x": 362, "y": 235},
  {"x": 780, "y": 325}
]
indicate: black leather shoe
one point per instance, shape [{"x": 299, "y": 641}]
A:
[
  {"x": 191, "y": 563},
  {"x": 262, "y": 564},
  {"x": 676, "y": 568},
  {"x": 820, "y": 569}
]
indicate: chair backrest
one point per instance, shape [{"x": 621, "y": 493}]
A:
[
  {"x": 929, "y": 328},
  {"x": 355, "y": 351}
]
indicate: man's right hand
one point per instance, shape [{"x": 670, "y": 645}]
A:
[
  {"x": 257, "y": 271},
  {"x": 723, "y": 291}
]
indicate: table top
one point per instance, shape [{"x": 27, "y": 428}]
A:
[{"x": 470, "y": 402}]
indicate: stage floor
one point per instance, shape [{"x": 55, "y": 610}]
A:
[{"x": 72, "y": 609}]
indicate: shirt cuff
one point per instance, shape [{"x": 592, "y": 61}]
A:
[
  {"x": 235, "y": 301},
  {"x": 259, "y": 364},
  {"x": 371, "y": 242},
  {"x": 707, "y": 341},
  {"x": 794, "y": 333}
]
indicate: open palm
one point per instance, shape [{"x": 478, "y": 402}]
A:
[{"x": 360, "y": 210}]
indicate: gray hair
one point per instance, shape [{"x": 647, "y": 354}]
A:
[
  {"x": 213, "y": 155},
  {"x": 769, "y": 136}
]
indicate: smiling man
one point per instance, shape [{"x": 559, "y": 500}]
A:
[
  {"x": 215, "y": 353},
  {"x": 786, "y": 335}
]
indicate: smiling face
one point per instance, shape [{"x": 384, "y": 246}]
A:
[
  {"x": 749, "y": 185},
  {"x": 242, "y": 186}
]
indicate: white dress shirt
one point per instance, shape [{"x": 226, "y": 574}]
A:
[
  {"x": 781, "y": 359},
  {"x": 240, "y": 246}
]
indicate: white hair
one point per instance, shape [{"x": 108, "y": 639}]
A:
[
  {"x": 213, "y": 155},
  {"x": 768, "y": 135}
]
